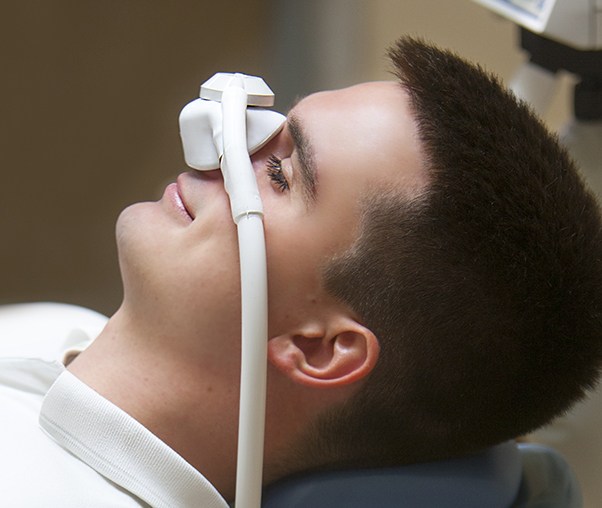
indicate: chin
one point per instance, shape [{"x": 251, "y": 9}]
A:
[
  {"x": 130, "y": 221},
  {"x": 139, "y": 250},
  {"x": 142, "y": 230}
]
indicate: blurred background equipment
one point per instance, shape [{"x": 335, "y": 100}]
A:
[{"x": 562, "y": 36}]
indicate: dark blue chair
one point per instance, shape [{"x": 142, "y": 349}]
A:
[{"x": 504, "y": 476}]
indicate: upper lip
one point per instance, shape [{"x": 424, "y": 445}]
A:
[{"x": 180, "y": 187}]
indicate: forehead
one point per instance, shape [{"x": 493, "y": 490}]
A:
[
  {"x": 366, "y": 131},
  {"x": 375, "y": 91}
]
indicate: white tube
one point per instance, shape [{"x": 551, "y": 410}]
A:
[
  {"x": 247, "y": 213},
  {"x": 251, "y": 419}
]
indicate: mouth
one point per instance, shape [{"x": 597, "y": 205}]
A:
[
  {"x": 182, "y": 204},
  {"x": 174, "y": 196}
]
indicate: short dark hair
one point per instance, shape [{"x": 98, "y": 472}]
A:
[{"x": 485, "y": 292}]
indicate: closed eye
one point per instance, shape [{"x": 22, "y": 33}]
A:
[{"x": 275, "y": 173}]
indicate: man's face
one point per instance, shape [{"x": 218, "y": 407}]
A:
[{"x": 181, "y": 269}]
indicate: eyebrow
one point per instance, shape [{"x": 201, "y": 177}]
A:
[{"x": 307, "y": 166}]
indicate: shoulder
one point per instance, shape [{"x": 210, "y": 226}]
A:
[{"x": 46, "y": 330}]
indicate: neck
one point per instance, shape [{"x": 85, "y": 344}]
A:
[{"x": 180, "y": 397}]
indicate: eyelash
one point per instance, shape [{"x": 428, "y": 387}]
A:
[{"x": 275, "y": 173}]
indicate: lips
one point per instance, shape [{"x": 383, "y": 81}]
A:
[
  {"x": 181, "y": 204},
  {"x": 174, "y": 196}
]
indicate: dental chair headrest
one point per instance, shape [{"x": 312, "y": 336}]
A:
[
  {"x": 505, "y": 476},
  {"x": 489, "y": 479}
]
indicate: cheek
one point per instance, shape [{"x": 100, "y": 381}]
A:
[
  {"x": 293, "y": 272},
  {"x": 202, "y": 289},
  {"x": 299, "y": 244}
]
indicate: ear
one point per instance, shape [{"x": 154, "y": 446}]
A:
[{"x": 340, "y": 355}]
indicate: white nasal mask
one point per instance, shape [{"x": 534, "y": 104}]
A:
[
  {"x": 223, "y": 134},
  {"x": 201, "y": 121}
]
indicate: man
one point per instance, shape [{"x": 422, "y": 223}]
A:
[{"x": 434, "y": 288}]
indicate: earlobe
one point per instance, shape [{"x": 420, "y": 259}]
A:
[{"x": 344, "y": 356}]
